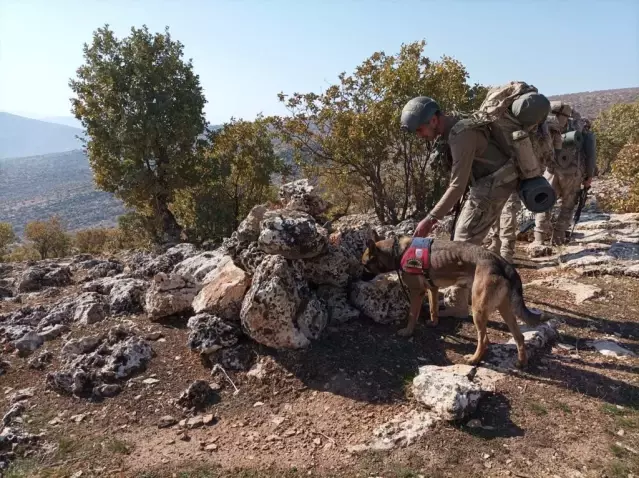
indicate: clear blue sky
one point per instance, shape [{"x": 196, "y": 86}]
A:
[{"x": 246, "y": 51}]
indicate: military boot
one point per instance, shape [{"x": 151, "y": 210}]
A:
[
  {"x": 538, "y": 238},
  {"x": 558, "y": 237},
  {"x": 537, "y": 248}
]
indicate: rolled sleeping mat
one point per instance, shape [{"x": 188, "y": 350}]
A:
[
  {"x": 537, "y": 194},
  {"x": 572, "y": 138},
  {"x": 589, "y": 145}
]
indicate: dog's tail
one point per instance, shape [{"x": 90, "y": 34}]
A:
[{"x": 531, "y": 318}]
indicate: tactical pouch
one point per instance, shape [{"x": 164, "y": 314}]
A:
[{"x": 527, "y": 162}]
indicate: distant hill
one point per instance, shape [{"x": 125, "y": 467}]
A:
[
  {"x": 591, "y": 103},
  {"x": 38, "y": 187},
  {"x": 65, "y": 120},
  {"x": 20, "y": 137}
]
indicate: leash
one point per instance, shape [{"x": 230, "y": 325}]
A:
[{"x": 396, "y": 260}]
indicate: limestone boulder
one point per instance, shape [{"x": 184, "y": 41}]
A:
[
  {"x": 300, "y": 195},
  {"x": 223, "y": 292},
  {"x": 170, "y": 295},
  {"x": 292, "y": 235},
  {"x": 278, "y": 296},
  {"x": 381, "y": 299}
]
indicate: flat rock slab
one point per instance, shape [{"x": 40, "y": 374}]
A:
[
  {"x": 503, "y": 357},
  {"x": 582, "y": 292},
  {"x": 611, "y": 348},
  {"x": 402, "y": 430}
]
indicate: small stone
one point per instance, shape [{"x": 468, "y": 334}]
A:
[
  {"x": 211, "y": 447},
  {"x": 258, "y": 404},
  {"x": 170, "y": 442},
  {"x": 150, "y": 381},
  {"x": 317, "y": 441},
  {"x": 78, "y": 418},
  {"x": 474, "y": 423},
  {"x": 166, "y": 421},
  {"x": 208, "y": 419},
  {"x": 55, "y": 421},
  {"x": 486, "y": 456},
  {"x": 194, "y": 422},
  {"x": 621, "y": 433},
  {"x": 155, "y": 335}
]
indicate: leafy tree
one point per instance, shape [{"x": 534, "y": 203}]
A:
[
  {"x": 48, "y": 237},
  {"x": 626, "y": 168},
  {"x": 93, "y": 240},
  {"x": 236, "y": 172},
  {"x": 7, "y": 236},
  {"x": 142, "y": 107},
  {"x": 350, "y": 134},
  {"x": 616, "y": 128}
]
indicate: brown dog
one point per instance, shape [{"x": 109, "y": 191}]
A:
[{"x": 494, "y": 283}]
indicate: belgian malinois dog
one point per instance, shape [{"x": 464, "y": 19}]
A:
[{"x": 494, "y": 283}]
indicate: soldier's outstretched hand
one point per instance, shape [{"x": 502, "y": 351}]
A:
[{"x": 424, "y": 227}]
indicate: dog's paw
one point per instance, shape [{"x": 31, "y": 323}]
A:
[
  {"x": 405, "y": 332},
  {"x": 432, "y": 324},
  {"x": 471, "y": 360},
  {"x": 521, "y": 364}
]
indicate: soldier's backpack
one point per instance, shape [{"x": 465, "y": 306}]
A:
[{"x": 510, "y": 121}]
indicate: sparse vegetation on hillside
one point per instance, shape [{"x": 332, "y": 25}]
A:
[
  {"x": 38, "y": 187},
  {"x": 350, "y": 134},
  {"x": 592, "y": 103},
  {"x": 142, "y": 107}
]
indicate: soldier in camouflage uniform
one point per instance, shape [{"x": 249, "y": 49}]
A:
[
  {"x": 475, "y": 158},
  {"x": 566, "y": 172},
  {"x": 503, "y": 233}
]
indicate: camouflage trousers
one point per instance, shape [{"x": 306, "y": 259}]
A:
[
  {"x": 567, "y": 188},
  {"x": 503, "y": 233},
  {"x": 482, "y": 208}
]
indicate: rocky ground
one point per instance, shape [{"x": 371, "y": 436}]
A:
[{"x": 275, "y": 356}]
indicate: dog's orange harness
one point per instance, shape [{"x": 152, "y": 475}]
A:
[{"x": 416, "y": 259}]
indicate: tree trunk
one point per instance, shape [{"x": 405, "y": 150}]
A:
[{"x": 171, "y": 230}]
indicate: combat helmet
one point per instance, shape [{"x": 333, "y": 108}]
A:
[{"x": 417, "y": 112}]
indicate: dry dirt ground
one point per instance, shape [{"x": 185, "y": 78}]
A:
[{"x": 572, "y": 413}]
